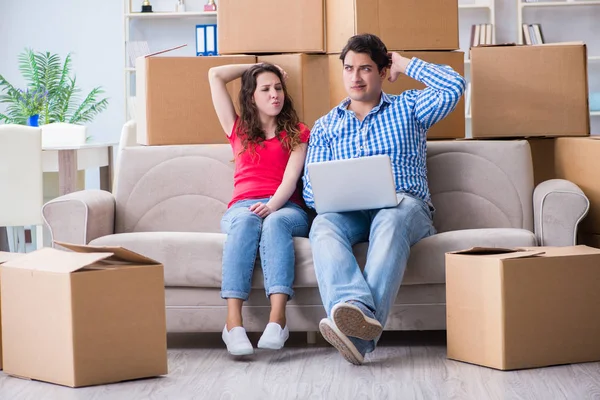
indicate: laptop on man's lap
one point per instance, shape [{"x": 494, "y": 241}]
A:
[{"x": 353, "y": 184}]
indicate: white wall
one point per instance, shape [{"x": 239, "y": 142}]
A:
[{"x": 93, "y": 32}]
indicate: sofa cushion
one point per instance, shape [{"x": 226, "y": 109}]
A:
[
  {"x": 173, "y": 188},
  {"x": 481, "y": 184},
  {"x": 194, "y": 259}
]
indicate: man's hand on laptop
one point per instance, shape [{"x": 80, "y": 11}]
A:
[
  {"x": 397, "y": 66},
  {"x": 261, "y": 209}
]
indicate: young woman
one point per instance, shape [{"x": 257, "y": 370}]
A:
[{"x": 269, "y": 146}]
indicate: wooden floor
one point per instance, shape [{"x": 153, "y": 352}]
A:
[{"x": 407, "y": 365}]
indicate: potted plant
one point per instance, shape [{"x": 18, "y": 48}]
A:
[
  {"x": 30, "y": 103},
  {"x": 51, "y": 92}
]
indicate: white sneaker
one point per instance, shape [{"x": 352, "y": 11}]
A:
[
  {"x": 273, "y": 337},
  {"x": 237, "y": 341}
]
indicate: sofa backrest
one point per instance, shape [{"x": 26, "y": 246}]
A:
[
  {"x": 481, "y": 184},
  {"x": 474, "y": 184},
  {"x": 173, "y": 188}
]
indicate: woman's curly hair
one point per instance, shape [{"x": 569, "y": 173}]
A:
[{"x": 249, "y": 128}]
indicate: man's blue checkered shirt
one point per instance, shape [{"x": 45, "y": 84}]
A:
[{"x": 397, "y": 126}]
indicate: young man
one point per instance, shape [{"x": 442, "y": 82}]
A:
[{"x": 367, "y": 123}]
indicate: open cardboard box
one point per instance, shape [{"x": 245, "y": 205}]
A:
[
  {"x": 522, "y": 308},
  {"x": 89, "y": 316}
]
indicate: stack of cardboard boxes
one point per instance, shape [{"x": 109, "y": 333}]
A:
[
  {"x": 540, "y": 93},
  {"x": 173, "y": 103},
  {"x": 531, "y": 308}
]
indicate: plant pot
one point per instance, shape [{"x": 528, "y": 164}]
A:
[
  {"x": 33, "y": 120},
  {"x": 62, "y": 134}
]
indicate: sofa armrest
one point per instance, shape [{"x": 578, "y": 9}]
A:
[
  {"x": 558, "y": 208},
  {"x": 80, "y": 217}
]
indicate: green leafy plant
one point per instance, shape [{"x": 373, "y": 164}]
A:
[
  {"x": 30, "y": 102},
  {"x": 46, "y": 74}
]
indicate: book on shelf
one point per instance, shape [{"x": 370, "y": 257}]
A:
[
  {"x": 532, "y": 34},
  {"x": 468, "y": 100},
  {"x": 482, "y": 34}
]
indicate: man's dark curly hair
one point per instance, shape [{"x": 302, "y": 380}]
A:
[{"x": 371, "y": 45}]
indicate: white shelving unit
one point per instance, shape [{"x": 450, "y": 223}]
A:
[
  {"x": 130, "y": 17},
  {"x": 490, "y": 7},
  {"x": 186, "y": 14},
  {"x": 523, "y": 5},
  {"x": 480, "y": 5},
  {"x": 560, "y": 3}
]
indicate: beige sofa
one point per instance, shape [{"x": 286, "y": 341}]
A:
[{"x": 169, "y": 201}]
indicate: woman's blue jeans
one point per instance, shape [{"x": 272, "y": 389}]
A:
[{"x": 246, "y": 233}]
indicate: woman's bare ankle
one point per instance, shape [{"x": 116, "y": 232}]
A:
[
  {"x": 231, "y": 325},
  {"x": 234, "y": 322},
  {"x": 278, "y": 319}
]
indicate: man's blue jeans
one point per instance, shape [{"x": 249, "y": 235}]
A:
[
  {"x": 390, "y": 233},
  {"x": 245, "y": 232}
]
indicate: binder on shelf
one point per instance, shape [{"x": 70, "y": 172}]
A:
[{"x": 206, "y": 40}]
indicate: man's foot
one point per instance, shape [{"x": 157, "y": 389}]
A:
[
  {"x": 352, "y": 321},
  {"x": 273, "y": 337},
  {"x": 341, "y": 342},
  {"x": 237, "y": 341}
]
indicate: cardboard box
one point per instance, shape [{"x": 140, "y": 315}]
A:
[
  {"x": 271, "y": 26},
  {"x": 307, "y": 83},
  {"x": 511, "y": 309},
  {"x": 93, "y": 316},
  {"x": 542, "y": 155},
  {"x": 578, "y": 160},
  {"x": 4, "y": 257},
  {"x": 401, "y": 24},
  {"x": 522, "y": 91},
  {"x": 453, "y": 126},
  {"x": 173, "y": 99}
]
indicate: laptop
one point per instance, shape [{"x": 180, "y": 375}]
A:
[{"x": 363, "y": 183}]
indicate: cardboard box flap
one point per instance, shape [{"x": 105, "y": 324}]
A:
[
  {"x": 52, "y": 260},
  {"x": 495, "y": 45},
  {"x": 561, "y": 44},
  {"x": 499, "y": 252},
  {"x": 114, "y": 253},
  {"x": 5, "y": 256},
  {"x": 566, "y": 251},
  {"x": 530, "y": 45},
  {"x": 164, "y": 51}
]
